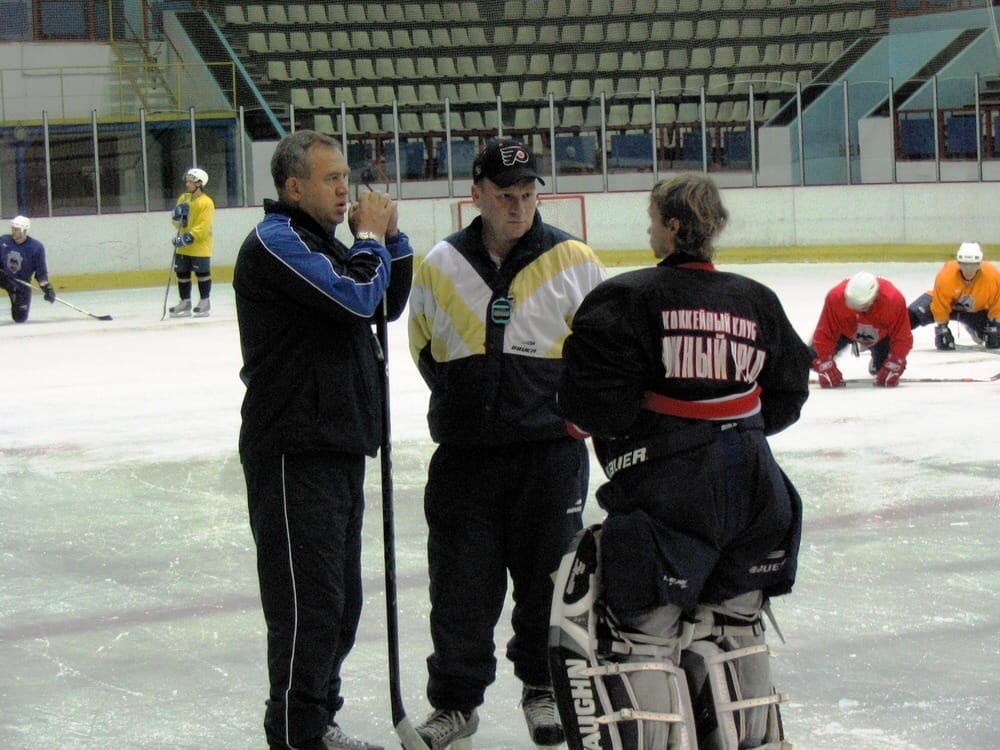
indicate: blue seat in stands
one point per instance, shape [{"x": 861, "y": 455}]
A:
[
  {"x": 411, "y": 159},
  {"x": 691, "y": 146},
  {"x": 631, "y": 150},
  {"x": 576, "y": 153},
  {"x": 736, "y": 147},
  {"x": 960, "y": 136},
  {"x": 463, "y": 153},
  {"x": 916, "y": 138}
]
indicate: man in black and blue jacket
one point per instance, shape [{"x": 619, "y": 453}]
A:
[{"x": 311, "y": 414}]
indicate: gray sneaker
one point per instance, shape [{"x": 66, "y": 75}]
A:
[
  {"x": 542, "y": 716},
  {"x": 442, "y": 728},
  {"x": 181, "y": 310},
  {"x": 335, "y": 739},
  {"x": 202, "y": 308}
]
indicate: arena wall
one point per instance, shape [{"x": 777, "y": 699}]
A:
[{"x": 880, "y": 222}]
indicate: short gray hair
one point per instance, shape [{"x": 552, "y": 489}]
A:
[{"x": 291, "y": 156}]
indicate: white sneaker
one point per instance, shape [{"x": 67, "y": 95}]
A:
[
  {"x": 442, "y": 728},
  {"x": 335, "y": 739},
  {"x": 203, "y": 308},
  {"x": 181, "y": 310},
  {"x": 542, "y": 716}
]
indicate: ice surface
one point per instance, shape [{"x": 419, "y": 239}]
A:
[{"x": 129, "y": 615}]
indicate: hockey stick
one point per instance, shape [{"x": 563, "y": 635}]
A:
[
  {"x": 869, "y": 381},
  {"x": 68, "y": 304},
  {"x": 407, "y": 734},
  {"x": 170, "y": 272}
]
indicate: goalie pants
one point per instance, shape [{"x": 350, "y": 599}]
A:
[
  {"x": 701, "y": 526},
  {"x": 305, "y": 514},
  {"x": 491, "y": 511}
]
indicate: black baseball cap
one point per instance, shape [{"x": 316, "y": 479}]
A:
[{"x": 505, "y": 163}]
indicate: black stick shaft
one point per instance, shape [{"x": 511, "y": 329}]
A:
[
  {"x": 166, "y": 291},
  {"x": 408, "y": 736},
  {"x": 68, "y": 304}
]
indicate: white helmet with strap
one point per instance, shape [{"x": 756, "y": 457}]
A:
[
  {"x": 969, "y": 252},
  {"x": 21, "y": 222},
  {"x": 198, "y": 175},
  {"x": 861, "y": 291}
]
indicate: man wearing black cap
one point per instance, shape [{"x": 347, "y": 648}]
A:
[{"x": 489, "y": 310}]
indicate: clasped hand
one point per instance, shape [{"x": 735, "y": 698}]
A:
[{"x": 373, "y": 212}]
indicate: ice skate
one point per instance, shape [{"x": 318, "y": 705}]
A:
[
  {"x": 181, "y": 310},
  {"x": 335, "y": 739},
  {"x": 203, "y": 308},
  {"x": 544, "y": 725},
  {"x": 451, "y": 730}
]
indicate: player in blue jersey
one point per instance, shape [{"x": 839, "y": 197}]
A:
[{"x": 23, "y": 258}]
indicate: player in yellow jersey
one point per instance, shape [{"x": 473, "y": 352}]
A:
[
  {"x": 967, "y": 290},
  {"x": 193, "y": 217}
]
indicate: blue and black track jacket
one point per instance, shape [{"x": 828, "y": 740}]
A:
[
  {"x": 488, "y": 340},
  {"x": 311, "y": 364}
]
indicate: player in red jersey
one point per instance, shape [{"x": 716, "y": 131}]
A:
[{"x": 867, "y": 312}]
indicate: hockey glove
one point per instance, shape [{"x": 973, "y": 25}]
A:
[
  {"x": 943, "y": 340},
  {"x": 991, "y": 334},
  {"x": 183, "y": 240},
  {"x": 180, "y": 214},
  {"x": 829, "y": 373},
  {"x": 888, "y": 375},
  {"x": 49, "y": 292}
]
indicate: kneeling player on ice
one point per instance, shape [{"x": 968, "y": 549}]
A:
[
  {"x": 867, "y": 312},
  {"x": 678, "y": 372},
  {"x": 23, "y": 257},
  {"x": 967, "y": 290}
]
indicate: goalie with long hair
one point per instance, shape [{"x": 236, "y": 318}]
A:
[{"x": 679, "y": 372}]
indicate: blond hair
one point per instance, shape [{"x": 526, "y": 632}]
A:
[{"x": 694, "y": 200}]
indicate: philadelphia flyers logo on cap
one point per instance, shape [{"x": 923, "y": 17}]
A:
[{"x": 511, "y": 155}]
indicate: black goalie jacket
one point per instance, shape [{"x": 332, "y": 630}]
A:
[{"x": 654, "y": 349}]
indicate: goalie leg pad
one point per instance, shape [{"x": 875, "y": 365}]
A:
[
  {"x": 729, "y": 678},
  {"x": 614, "y": 691}
]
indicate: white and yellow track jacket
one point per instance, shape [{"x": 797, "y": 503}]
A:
[{"x": 488, "y": 340}]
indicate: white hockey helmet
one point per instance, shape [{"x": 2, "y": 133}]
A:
[
  {"x": 861, "y": 291},
  {"x": 198, "y": 175},
  {"x": 969, "y": 252},
  {"x": 21, "y": 222}
]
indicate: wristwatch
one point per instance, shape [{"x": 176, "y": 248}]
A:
[{"x": 368, "y": 236}]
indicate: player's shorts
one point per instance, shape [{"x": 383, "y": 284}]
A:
[{"x": 184, "y": 265}]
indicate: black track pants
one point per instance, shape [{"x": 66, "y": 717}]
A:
[
  {"x": 493, "y": 510},
  {"x": 305, "y": 513}
]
